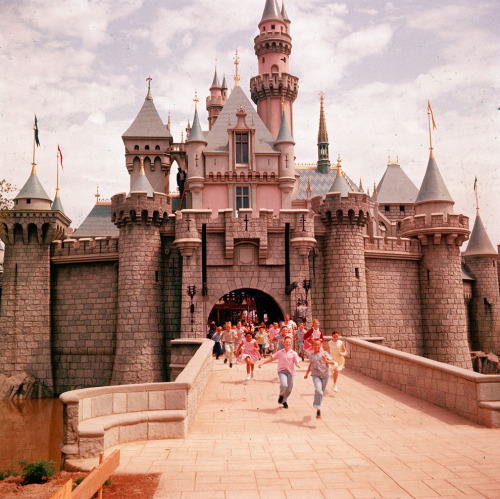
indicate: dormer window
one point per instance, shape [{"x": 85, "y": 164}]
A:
[{"x": 242, "y": 148}]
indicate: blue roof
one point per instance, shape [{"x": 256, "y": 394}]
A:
[
  {"x": 320, "y": 182},
  {"x": 97, "y": 224}
]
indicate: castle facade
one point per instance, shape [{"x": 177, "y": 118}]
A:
[{"x": 251, "y": 232}]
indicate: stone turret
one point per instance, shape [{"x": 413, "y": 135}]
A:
[
  {"x": 217, "y": 99},
  {"x": 323, "y": 145},
  {"x": 285, "y": 144},
  {"x": 150, "y": 138},
  {"x": 441, "y": 233},
  {"x": 344, "y": 216},
  {"x": 25, "y": 324},
  {"x": 140, "y": 336},
  {"x": 196, "y": 163},
  {"x": 481, "y": 259},
  {"x": 274, "y": 83}
]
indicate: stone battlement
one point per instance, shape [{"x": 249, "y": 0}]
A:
[
  {"x": 84, "y": 247},
  {"x": 137, "y": 207},
  {"x": 455, "y": 226},
  {"x": 378, "y": 246},
  {"x": 336, "y": 209}
]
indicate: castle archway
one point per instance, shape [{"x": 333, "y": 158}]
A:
[{"x": 245, "y": 303}]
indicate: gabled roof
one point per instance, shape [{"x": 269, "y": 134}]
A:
[
  {"x": 33, "y": 189},
  {"x": 479, "y": 242},
  {"x": 97, "y": 224},
  {"x": 395, "y": 187},
  {"x": 320, "y": 182},
  {"x": 271, "y": 11},
  {"x": 148, "y": 123},
  {"x": 217, "y": 138},
  {"x": 433, "y": 187}
]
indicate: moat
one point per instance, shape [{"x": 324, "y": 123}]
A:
[{"x": 30, "y": 429}]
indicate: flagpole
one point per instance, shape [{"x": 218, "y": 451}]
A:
[
  {"x": 57, "y": 169},
  {"x": 33, "y": 169},
  {"x": 431, "y": 155},
  {"x": 477, "y": 198}
]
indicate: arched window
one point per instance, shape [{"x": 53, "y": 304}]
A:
[
  {"x": 136, "y": 147},
  {"x": 274, "y": 69},
  {"x": 147, "y": 148},
  {"x": 157, "y": 148}
]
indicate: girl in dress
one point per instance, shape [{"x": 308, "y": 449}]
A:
[
  {"x": 312, "y": 334},
  {"x": 249, "y": 352},
  {"x": 338, "y": 352}
]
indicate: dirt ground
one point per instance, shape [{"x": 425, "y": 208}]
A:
[{"x": 129, "y": 486}]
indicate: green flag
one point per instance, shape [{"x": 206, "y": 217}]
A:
[{"x": 36, "y": 133}]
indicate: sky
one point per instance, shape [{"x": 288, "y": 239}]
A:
[{"x": 81, "y": 66}]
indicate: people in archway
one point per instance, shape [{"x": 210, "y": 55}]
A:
[
  {"x": 217, "y": 339},
  {"x": 249, "y": 353},
  {"x": 318, "y": 367},
  {"x": 338, "y": 352},
  {"x": 288, "y": 360},
  {"x": 229, "y": 337},
  {"x": 312, "y": 334}
]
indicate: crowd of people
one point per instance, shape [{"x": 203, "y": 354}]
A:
[{"x": 289, "y": 344}]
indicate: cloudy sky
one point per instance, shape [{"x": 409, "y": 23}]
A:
[{"x": 81, "y": 66}]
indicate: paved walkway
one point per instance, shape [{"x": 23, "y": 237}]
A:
[{"x": 372, "y": 441}]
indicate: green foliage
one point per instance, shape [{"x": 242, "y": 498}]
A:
[
  {"x": 37, "y": 471},
  {"x": 5, "y": 203},
  {"x": 6, "y": 473}
]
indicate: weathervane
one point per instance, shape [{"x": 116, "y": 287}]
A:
[{"x": 148, "y": 79}]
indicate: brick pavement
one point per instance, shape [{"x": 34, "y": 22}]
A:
[{"x": 372, "y": 441}]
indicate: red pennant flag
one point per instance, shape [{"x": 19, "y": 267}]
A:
[
  {"x": 432, "y": 115},
  {"x": 60, "y": 154}
]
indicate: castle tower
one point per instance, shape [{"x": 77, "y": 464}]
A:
[
  {"x": 140, "y": 338},
  {"x": 285, "y": 144},
  {"x": 150, "y": 138},
  {"x": 274, "y": 83},
  {"x": 216, "y": 101},
  {"x": 25, "y": 323},
  {"x": 323, "y": 154},
  {"x": 441, "y": 233},
  {"x": 481, "y": 259},
  {"x": 345, "y": 213},
  {"x": 196, "y": 162}
]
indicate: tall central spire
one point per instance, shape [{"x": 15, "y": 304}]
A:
[{"x": 323, "y": 154}]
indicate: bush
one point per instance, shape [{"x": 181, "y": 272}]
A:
[
  {"x": 37, "y": 471},
  {"x": 6, "y": 473}
]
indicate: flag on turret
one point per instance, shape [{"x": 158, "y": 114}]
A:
[
  {"x": 432, "y": 115},
  {"x": 36, "y": 133},
  {"x": 60, "y": 154},
  {"x": 475, "y": 184}
]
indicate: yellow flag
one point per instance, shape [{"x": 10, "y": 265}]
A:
[{"x": 432, "y": 116}]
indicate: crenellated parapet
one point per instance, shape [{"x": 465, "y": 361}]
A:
[
  {"x": 392, "y": 248},
  {"x": 452, "y": 228},
  {"x": 84, "y": 250},
  {"x": 138, "y": 208},
  {"x": 41, "y": 227},
  {"x": 274, "y": 85},
  {"x": 337, "y": 210}
]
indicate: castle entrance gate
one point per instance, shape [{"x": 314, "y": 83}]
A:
[{"x": 245, "y": 303}]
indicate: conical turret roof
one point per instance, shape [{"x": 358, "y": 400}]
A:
[
  {"x": 224, "y": 84},
  {"x": 283, "y": 12},
  {"x": 433, "y": 187},
  {"x": 215, "y": 83},
  {"x": 340, "y": 185},
  {"x": 148, "y": 123},
  {"x": 395, "y": 187},
  {"x": 33, "y": 189},
  {"x": 479, "y": 242},
  {"x": 196, "y": 134},
  {"x": 284, "y": 134},
  {"x": 271, "y": 11},
  {"x": 142, "y": 183},
  {"x": 57, "y": 204}
]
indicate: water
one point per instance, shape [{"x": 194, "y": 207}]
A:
[{"x": 30, "y": 429}]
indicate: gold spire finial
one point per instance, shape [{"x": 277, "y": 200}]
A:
[
  {"x": 96, "y": 195},
  {"x": 148, "y": 79},
  {"x": 196, "y": 100},
  {"x": 236, "y": 75},
  {"x": 282, "y": 104},
  {"x": 360, "y": 185},
  {"x": 142, "y": 167},
  {"x": 168, "y": 122},
  {"x": 430, "y": 116},
  {"x": 339, "y": 167},
  {"x": 182, "y": 137}
]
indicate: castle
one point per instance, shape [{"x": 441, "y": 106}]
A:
[{"x": 250, "y": 231}]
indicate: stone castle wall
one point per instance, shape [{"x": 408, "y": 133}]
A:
[
  {"x": 394, "y": 306},
  {"x": 84, "y": 313}
]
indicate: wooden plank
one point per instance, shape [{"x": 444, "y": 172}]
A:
[
  {"x": 93, "y": 482},
  {"x": 65, "y": 491}
]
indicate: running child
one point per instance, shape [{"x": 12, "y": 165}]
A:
[
  {"x": 249, "y": 352},
  {"x": 337, "y": 350}
]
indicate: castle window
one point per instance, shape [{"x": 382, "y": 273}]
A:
[
  {"x": 28, "y": 201},
  {"x": 157, "y": 148},
  {"x": 242, "y": 148},
  {"x": 402, "y": 208},
  {"x": 147, "y": 148},
  {"x": 242, "y": 197},
  {"x": 263, "y": 59},
  {"x": 387, "y": 207},
  {"x": 136, "y": 148},
  {"x": 263, "y": 29},
  {"x": 273, "y": 26}
]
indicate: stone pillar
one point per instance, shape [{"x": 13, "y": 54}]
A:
[
  {"x": 441, "y": 287},
  {"x": 346, "y": 302},
  {"x": 140, "y": 339},
  {"x": 25, "y": 317},
  {"x": 485, "y": 303}
]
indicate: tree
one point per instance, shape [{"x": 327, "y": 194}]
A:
[{"x": 6, "y": 203}]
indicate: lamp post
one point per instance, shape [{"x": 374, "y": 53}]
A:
[
  {"x": 307, "y": 284},
  {"x": 191, "y": 291}
]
